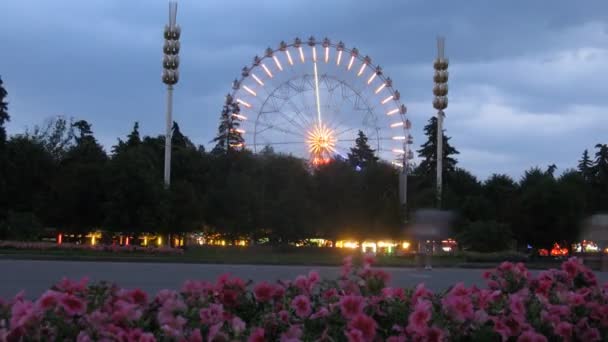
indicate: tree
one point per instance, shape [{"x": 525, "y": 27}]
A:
[
  {"x": 486, "y": 236},
  {"x": 75, "y": 200},
  {"x": 428, "y": 152},
  {"x": 133, "y": 140},
  {"x": 600, "y": 168},
  {"x": 28, "y": 173},
  {"x": 136, "y": 200},
  {"x": 600, "y": 181},
  {"x": 585, "y": 166},
  {"x": 500, "y": 191},
  {"x": 229, "y": 137},
  {"x": 4, "y": 117},
  {"x": 3, "y": 158},
  {"x": 56, "y": 135},
  {"x": 361, "y": 155},
  {"x": 538, "y": 210}
]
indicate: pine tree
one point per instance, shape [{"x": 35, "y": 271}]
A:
[
  {"x": 600, "y": 167},
  {"x": 133, "y": 139},
  {"x": 4, "y": 117},
  {"x": 362, "y": 155},
  {"x": 229, "y": 138},
  {"x": 585, "y": 166},
  {"x": 428, "y": 151},
  {"x": 178, "y": 139}
]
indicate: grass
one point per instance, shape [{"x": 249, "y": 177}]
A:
[{"x": 265, "y": 255}]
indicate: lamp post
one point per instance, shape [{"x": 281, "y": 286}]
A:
[
  {"x": 440, "y": 102},
  {"x": 170, "y": 76}
]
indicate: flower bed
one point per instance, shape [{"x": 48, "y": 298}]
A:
[
  {"x": 566, "y": 304},
  {"x": 50, "y": 246}
]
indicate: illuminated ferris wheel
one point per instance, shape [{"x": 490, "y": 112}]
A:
[{"x": 310, "y": 99}]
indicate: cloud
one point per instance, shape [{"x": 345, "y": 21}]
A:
[{"x": 525, "y": 79}]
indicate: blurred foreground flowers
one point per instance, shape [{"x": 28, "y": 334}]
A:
[{"x": 558, "y": 305}]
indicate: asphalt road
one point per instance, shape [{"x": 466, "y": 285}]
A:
[{"x": 35, "y": 276}]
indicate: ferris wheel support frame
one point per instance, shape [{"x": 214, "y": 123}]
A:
[{"x": 351, "y": 56}]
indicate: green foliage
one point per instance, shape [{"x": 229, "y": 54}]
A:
[
  {"x": 428, "y": 151},
  {"x": 362, "y": 155},
  {"x": 56, "y": 135},
  {"x": 4, "y": 117},
  {"x": 228, "y": 139},
  {"x": 60, "y": 175},
  {"x": 22, "y": 226},
  {"x": 486, "y": 236}
]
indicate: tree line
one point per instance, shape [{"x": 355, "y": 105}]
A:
[{"x": 57, "y": 175}]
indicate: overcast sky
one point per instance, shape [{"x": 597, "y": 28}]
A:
[{"x": 526, "y": 77}]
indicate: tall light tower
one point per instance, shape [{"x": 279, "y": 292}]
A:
[
  {"x": 440, "y": 102},
  {"x": 170, "y": 77}
]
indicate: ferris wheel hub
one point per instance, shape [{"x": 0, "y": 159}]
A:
[{"x": 321, "y": 144}]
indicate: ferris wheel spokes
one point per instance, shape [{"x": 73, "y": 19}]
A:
[{"x": 355, "y": 94}]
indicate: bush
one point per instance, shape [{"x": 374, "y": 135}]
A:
[
  {"x": 486, "y": 236},
  {"x": 566, "y": 304},
  {"x": 21, "y": 226}
]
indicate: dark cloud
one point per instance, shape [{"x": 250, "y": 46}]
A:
[{"x": 525, "y": 86}]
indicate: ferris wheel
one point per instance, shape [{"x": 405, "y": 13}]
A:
[{"x": 311, "y": 98}]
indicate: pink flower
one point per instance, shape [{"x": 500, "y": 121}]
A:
[
  {"x": 576, "y": 299},
  {"x": 214, "y": 331},
  {"x": 459, "y": 290},
  {"x": 313, "y": 277},
  {"x": 322, "y": 312},
  {"x": 228, "y": 297},
  {"x": 368, "y": 260},
  {"x": 481, "y": 316},
  {"x": 571, "y": 267},
  {"x": 125, "y": 311},
  {"x": 257, "y": 335},
  {"x": 564, "y": 330},
  {"x": 531, "y": 336},
  {"x": 72, "y": 305},
  {"x": 434, "y": 334},
  {"x": 238, "y": 326},
  {"x": 301, "y": 304},
  {"x": 195, "y": 336},
  {"x": 544, "y": 286},
  {"x": 516, "y": 305},
  {"x": 263, "y": 292},
  {"x": 365, "y": 324},
  {"x": 284, "y": 316},
  {"x": 82, "y": 337},
  {"x": 48, "y": 299},
  {"x": 389, "y": 293},
  {"x": 419, "y": 319},
  {"x": 354, "y": 336},
  {"x": 302, "y": 283},
  {"x": 590, "y": 335},
  {"x": 22, "y": 313},
  {"x": 212, "y": 314},
  {"x": 292, "y": 334},
  {"x": 351, "y": 306},
  {"x": 138, "y": 296},
  {"x": 486, "y": 297},
  {"x": 381, "y": 275},
  {"x": 330, "y": 294},
  {"x": 459, "y": 307},
  {"x": 421, "y": 292},
  {"x": 279, "y": 292},
  {"x": 347, "y": 266},
  {"x": 66, "y": 285}
]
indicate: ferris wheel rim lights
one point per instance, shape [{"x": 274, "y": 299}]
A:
[{"x": 384, "y": 86}]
